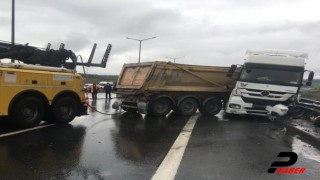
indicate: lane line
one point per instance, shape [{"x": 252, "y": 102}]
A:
[
  {"x": 25, "y": 130},
  {"x": 169, "y": 166}
]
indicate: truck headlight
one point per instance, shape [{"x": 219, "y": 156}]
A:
[
  {"x": 236, "y": 92},
  {"x": 294, "y": 98}
]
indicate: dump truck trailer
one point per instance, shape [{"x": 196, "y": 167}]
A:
[{"x": 158, "y": 87}]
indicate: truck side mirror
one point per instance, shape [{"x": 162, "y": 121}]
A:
[
  {"x": 231, "y": 70},
  {"x": 310, "y": 77}
]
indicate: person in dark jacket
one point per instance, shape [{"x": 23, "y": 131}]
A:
[{"x": 108, "y": 89}]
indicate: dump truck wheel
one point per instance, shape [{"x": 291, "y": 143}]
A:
[
  {"x": 160, "y": 107},
  {"x": 64, "y": 110},
  {"x": 187, "y": 107},
  {"x": 211, "y": 107},
  {"x": 28, "y": 112}
]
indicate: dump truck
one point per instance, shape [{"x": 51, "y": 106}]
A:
[{"x": 158, "y": 87}]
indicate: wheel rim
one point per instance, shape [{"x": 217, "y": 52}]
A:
[
  {"x": 189, "y": 106},
  {"x": 29, "y": 112},
  {"x": 212, "y": 107},
  {"x": 65, "y": 111},
  {"x": 162, "y": 106}
]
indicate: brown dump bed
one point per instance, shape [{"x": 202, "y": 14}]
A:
[
  {"x": 166, "y": 76},
  {"x": 133, "y": 76}
]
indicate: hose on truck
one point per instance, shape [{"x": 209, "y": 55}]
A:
[{"x": 95, "y": 110}]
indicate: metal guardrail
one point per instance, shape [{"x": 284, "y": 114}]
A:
[{"x": 309, "y": 104}]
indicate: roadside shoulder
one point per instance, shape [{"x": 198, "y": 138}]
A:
[{"x": 305, "y": 126}]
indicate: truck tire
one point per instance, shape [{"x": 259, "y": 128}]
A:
[
  {"x": 64, "y": 110},
  {"x": 160, "y": 107},
  {"x": 28, "y": 112},
  {"x": 211, "y": 107},
  {"x": 187, "y": 107}
]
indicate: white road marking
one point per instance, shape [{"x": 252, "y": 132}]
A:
[
  {"x": 169, "y": 166},
  {"x": 25, "y": 130}
]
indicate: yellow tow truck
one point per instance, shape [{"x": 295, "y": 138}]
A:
[{"x": 42, "y": 88}]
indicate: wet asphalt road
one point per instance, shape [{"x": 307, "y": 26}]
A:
[{"x": 132, "y": 146}]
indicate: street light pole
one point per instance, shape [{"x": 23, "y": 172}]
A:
[
  {"x": 12, "y": 26},
  {"x": 139, "y": 51},
  {"x": 174, "y": 59},
  {"x": 140, "y": 40}
]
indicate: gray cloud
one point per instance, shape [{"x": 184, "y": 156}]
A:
[
  {"x": 207, "y": 33},
  {"x": 5, "y": 21}
]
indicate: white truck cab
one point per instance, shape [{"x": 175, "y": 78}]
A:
[{"x": 269, "y": 83}]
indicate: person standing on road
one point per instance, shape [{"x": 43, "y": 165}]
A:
[
  {"x": 107, "y": 88},
  {"x": 94, "y": 91}
]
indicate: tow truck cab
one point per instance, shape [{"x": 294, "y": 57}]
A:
[{"x": 269, "y": 83}]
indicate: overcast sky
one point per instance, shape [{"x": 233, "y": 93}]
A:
[{"x": 206, "y": 32}]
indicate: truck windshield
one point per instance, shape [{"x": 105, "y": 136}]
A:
[{"x": 271, "y": 74}]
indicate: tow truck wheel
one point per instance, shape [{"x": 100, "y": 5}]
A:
[
  {"x": 64, "y": 110},
  {"x": 160, "y": 107},
  {"x": 187, "y": 107},
  {"x": 211, "y": 107},
  {"x": 28, "y": 112}
]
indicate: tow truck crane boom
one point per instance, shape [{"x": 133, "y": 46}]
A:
[{"x": 48, "y": 57}]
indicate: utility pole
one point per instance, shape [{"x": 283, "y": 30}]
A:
[{"x": 12, "y": 25}]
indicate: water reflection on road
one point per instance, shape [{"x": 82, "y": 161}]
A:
[
  {"x": 42, "y": 154},
  {"x": 136, "y": 136}
]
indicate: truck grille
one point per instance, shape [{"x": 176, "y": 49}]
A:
[
  {"x": 259, "y": 95},
  {"x": 264, "y": 96},
  {"x": 256, "y": 109},
  {"x": 257, "y": 112},
  {"x": 261, "y": 102},
  {"x": 271, "y": 92}
]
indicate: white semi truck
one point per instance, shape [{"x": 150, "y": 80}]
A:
[{"x": 269, "y": 83}]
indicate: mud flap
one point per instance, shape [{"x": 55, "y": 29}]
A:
[
  {"x": 142, "y": 107},
  {"x": 116, "y": 105}
]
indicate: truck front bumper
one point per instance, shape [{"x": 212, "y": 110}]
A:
[{"x": 236, "y": 105}]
